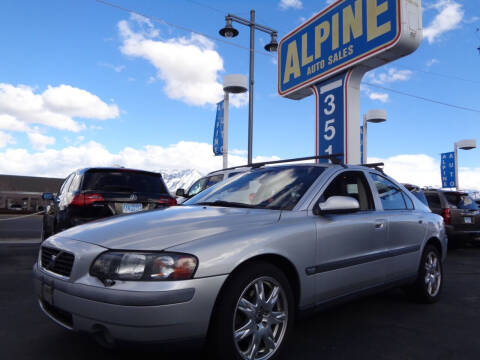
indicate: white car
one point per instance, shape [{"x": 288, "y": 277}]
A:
[{"x": 207, "y": 181}]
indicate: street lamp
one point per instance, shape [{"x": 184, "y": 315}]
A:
[
  {"x": 463, "y": 145},
  {"x": 235, "y": 84},
  {"x": 229, "y": 32},
  {"x": 373, "y": 116}
]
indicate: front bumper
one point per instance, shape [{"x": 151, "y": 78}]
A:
[{"x": 172, "y": 312}]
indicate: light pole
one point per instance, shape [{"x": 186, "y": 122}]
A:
[
  {"x": 463, "y": 145},
  {"x": 235, "y": 84},
  {"x": 373, "y": 116},
  {"x": 229, "y": 32}
]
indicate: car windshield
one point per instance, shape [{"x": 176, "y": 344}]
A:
[
  {"x": 278, "y": 188},
  {"x": 461, "y": 201},
  {"x": 123, "y": 181}
]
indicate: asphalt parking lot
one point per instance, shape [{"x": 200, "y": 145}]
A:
[{"x": 385, "y": 326}]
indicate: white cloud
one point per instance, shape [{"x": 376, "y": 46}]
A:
[
  {"x": 59, "y": 163},
  {"x": 450, "y": 15},
  {"x": 40, "y": 141},
  {"x": 238, "y": 100},
  {"x": 56, "y": 107},
  {"x": 189, "y": 66},
  {"x": 382, "y": 97},
  {"x": 116, "y": 68},
  {"x": 6, "y": 139},
  {"x": 8, "y": 122},
  {"x": 389, "y": 76},
  {"x": 432, "y": 62},
  {"x": 424, "y": 170},
  {"x": 287, "y": 4}
]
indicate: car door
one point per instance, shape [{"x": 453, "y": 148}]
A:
[
  {"x": 406, "y": 228},
  {"x": 349, "y": 245}
]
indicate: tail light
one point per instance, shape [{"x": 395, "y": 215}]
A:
[
  {"x": 167, "y": 201},
  {"x": 86, "y": 199},
  {"x": 447, "y": 216}
]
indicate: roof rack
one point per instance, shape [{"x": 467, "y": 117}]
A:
[
  {"x": 334, "y": 158},
  {"x": 377, "y": 166}
]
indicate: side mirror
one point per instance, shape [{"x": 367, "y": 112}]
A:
[
  {"x": 339, "y": 204},
  {"x": 180, "y": 192},
  {"x": 48, "y": 196}
]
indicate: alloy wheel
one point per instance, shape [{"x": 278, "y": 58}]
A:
[
  {"x": 260, "y": 319},
  {"x": 433, "y": 275}
]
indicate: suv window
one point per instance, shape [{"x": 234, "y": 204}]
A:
[
  {"x": 66, "y": 184},
  {"x": 234, "y": 173},
  {"x": 197, "y": 187},
  {"x": 461, "y": 201},
  {"x": 123, "y": 181},
  {"x": 75, "y": 184},
  {"x": 390, "y": 194},
  {"x": 433, "y": 201},
  {"x": 353, "y": 184},
  {"x": 212, "y": 180}
]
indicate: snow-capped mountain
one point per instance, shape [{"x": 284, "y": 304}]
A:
[{"x": 180, "y": 178}]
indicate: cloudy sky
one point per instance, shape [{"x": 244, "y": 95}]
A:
[{"x": 83, "y": 84}]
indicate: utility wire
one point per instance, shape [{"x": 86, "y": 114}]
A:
[
  {"x": 422, "y": 98},
  {"x": 181, "y": 27}
]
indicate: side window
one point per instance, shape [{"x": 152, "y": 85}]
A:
[
  {"x": 233, "y": 174},
  {"x": 197, "y": 187},
  {"x": 390, "y": 194},
  {"x": 353, "y": 184},
  {"x": 408, "y": 201},
  {"x": 65, "y": 185},
  {"x": 75, "y": 184},
  {"x": 212, "y": 180},
  {"x": 433, "y": 201}
]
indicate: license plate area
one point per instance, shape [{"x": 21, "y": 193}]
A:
[
  {"x": 131, "y": 207},
  {"x": 468, "y": 220},
  {"x": 47, "y": 293}
]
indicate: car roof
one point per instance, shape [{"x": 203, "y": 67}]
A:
[{"x": 85, "y": 170}]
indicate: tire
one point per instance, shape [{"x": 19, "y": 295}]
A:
[
  {"x": 254, "y": 318},
  {"x": 429, "y": 284}
]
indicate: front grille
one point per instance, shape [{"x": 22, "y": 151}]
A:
[
  {"x": 57, "y": 261},
  {"x": 60, "y": 315}
]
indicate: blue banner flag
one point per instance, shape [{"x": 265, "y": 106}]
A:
[
  {"x": 448, "y": 170},
  {"x": 218, "y": 132}
]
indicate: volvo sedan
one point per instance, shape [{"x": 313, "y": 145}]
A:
[{"x": 235, "y": 265}]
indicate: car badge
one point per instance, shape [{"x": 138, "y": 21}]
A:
[{"x": 133, "y": 197}]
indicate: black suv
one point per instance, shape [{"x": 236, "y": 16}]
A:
[
  {"x": 460, "y": 213},
  {"x": 95, "y": 193}
]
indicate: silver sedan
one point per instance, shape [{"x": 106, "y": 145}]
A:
[{"x": 235, "y": 265}]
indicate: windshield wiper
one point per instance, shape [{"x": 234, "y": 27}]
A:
[{"x": 226, "y": 204}]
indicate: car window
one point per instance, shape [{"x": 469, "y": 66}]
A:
[
  {"x": 461, "y": 201},
  {"x": 232, "y": 174},
  {"x": 433, "y": 200},
  {"x": 123, "y": 181},
  {"x": 408, "y": 201},
  {"x": 390, "y": 194},
  {"x": 353, "y": 184},
  {"x": 278, "y": 188},
  {"x": 75, "y": 184},
  {"x": 212, "y": 180},
  {"x": 65, "y": 184},
  {"x": 197, "y": 187}
]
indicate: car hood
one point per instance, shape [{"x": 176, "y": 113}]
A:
[{"x": 161, "y": 229}]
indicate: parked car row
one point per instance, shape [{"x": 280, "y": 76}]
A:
[{"x": 236, "y": 264}]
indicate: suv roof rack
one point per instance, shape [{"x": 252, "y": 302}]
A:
[
  {"x": 334, "y": 158},
  {"x": 377, "y": 166}
]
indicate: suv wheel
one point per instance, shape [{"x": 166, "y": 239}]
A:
[
  {"x": 253, "y": 318},
  {"x": 429, "y": 283}
]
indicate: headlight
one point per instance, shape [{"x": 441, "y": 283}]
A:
[{"x": 139, "y": 266}]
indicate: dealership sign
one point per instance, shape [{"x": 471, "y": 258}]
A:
[{"x": 347, "y": 39}]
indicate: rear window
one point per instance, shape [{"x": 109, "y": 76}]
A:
[
  {"x": 461, "y": 201},
  {"x": 123, "y": 181}
]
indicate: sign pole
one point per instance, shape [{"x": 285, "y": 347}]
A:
[{"x": 225, "y": 130}]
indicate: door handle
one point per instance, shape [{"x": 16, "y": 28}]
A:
[
  {"x": 420, "y": 221},
  {"x": 379, "y": 225}
]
